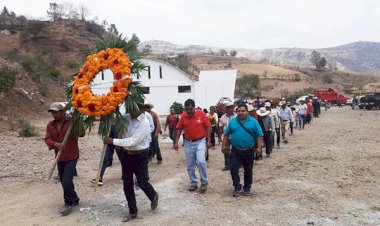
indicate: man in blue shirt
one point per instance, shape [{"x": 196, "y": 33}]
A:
[{"x": 243, "y": 131}]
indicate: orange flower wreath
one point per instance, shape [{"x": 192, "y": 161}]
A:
[{"x": 83, "y": 98}]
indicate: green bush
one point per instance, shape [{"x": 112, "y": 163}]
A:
[
  {"x": 44, "y": 89},
  {"x": 73, "y": 65},
  {"x": 26, "y": 129},
  {"x": 297, "y": 77},
  {"x": 327, "y": 78},
  {"x": 177, "y": 107},
  {"x": 7, "y": 78}
]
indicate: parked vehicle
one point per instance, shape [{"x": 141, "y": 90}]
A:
[
  {"x": 331, "y": 95},
  {"x": 370, "y": 101},
  {"x": 360, "y": 104}
]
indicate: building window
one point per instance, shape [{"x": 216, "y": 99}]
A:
[
  {"x": 148, "y": 72},
  {"x": 145, "y": 90},
  {"x": 184, "y": 89},
  {"x": 160, "y": 71}
]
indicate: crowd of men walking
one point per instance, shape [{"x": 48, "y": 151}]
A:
[{"x": 241, "y": 131}]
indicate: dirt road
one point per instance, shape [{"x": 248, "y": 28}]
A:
[{"x": 328, "y": 174}]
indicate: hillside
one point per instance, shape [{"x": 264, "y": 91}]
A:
[
  {"x": 44, "y": 62},
  {"x": 360, "y": 57}
]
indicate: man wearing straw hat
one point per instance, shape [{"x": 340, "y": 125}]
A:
[
  {"x": 268, "y": 128},
  {"x": 55, "y": 133}
]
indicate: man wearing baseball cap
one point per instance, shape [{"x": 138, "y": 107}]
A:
[{"x": 55, "y": 133}]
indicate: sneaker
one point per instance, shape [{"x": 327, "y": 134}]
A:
[
  {"x": 159, "y": 162},
  {"x": 66, "y": 210},
  {"x": 203, "y": 188},
  {"x": 225, "y": 168},
  {"x": 100, "y": 182},
  {"x": 154, "y": 203},
  {"x": 246, "y": 193},
  {"x": 193, "y": 187},
  {"x": 268, "y": 155},
  {"x": 236, "y": 193},
  {"x": 278, "y": 146},
  {"x": 129, "y": 217}
]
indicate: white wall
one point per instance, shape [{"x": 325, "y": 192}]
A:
[
  {"x": 213, "y": 85},
  {"x": 164, "y": 91}
]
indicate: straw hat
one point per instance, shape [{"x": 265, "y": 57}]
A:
[
  {"x": 282, "y": 103},
  {"x": 262, "y": 111},
  {"x": 250, "y": 108},
  {"x": 148, "y": 104},
  {"x": 229, "y": 104}
]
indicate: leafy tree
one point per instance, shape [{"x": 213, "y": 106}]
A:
[
  {"x": 4, "y": 12},
  {"x": 249, "y": 85},
  {"x": 233, "y": 53},
  {"x": 322, "y": 63},
  {"x": 178, "y": 107},
  {"x": 315, "y": 58},
  {"x": 35, "y": 27},
  {"x": 55, "y": 11},
  {"x": 147, "y": 49},
  {"x": 113, "y": 30},
  {"x": 223, "y": 52},
  {"x": 7, "y": 78}
]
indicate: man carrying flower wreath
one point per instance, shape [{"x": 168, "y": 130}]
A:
[
  {"x": 55, "y": 133},
  {"x": 135, "y": 141}
]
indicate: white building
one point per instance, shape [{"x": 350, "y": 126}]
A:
[{"x": 165, "y": 84}]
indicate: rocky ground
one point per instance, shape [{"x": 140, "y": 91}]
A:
[{"x": 328, "y": 174}]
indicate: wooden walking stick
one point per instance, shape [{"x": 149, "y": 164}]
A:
[
  {"x": 60, "y": 150},
  {"x": 101, "y": 161}
]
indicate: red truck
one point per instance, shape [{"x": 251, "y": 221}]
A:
[{"x": 331, "y": 95}]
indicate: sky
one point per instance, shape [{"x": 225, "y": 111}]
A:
[{"x": 253, "y": 24}]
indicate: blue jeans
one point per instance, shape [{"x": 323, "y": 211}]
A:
[
  {"x": 196, "y": 155},
  {"x": 66, "y": 170},
  {"x": 301, "y": 121}
]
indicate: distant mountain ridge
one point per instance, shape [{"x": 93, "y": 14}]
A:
[{"x": 361, "y": 56}]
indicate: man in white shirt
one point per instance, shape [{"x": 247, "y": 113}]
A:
[
  {"x": 136, "y": 140},
  {"x": 302, "y": 110},
  {"x": 223, "y": 123},
  {"x": 286, "y": 116}
]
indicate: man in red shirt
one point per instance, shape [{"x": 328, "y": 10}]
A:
[
  {"x": 309, "y": 111},
  {"x": 197, "y": 127},
  {"x": 55, "y": 133}
]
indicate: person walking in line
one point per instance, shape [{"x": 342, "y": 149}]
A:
[
  {"x": 213, "y": 118},
  {"x": 55, "y": 133},
  {"x": 268, "y": 129},
  {"x": 302, "y": 110},
  {"x": 275, "y": 112},
  {"x": 135, "y": 142},
  {"x": 155, "y": 134},
  {"x": 223, "y": 123},
  {"x": 197, "y": 127},
  {"x": 286, "y": 117},
  {"x": 244, "y": 132},
  {"x": 309, "y": 111},
  {"x": 171, "y": 122}
]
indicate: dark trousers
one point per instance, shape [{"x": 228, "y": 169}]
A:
[
  {"x": 67, "y": 170},
  {"x": 213, "y": 131},
  {"x": 108, "y": 156},
  {"x": 268, "y": 142},
  {"x": 308, "y": 118},
  {"x": 291, "y": 127},
  {"x": 227, "y": 156},
  {"x": 278, "y": 135},
  {"x": 172, "y": 134},
  {"x": 155, "y": 148},
  {"x": 136, "y": 164},
  {"x": 237, "y": 159}
]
